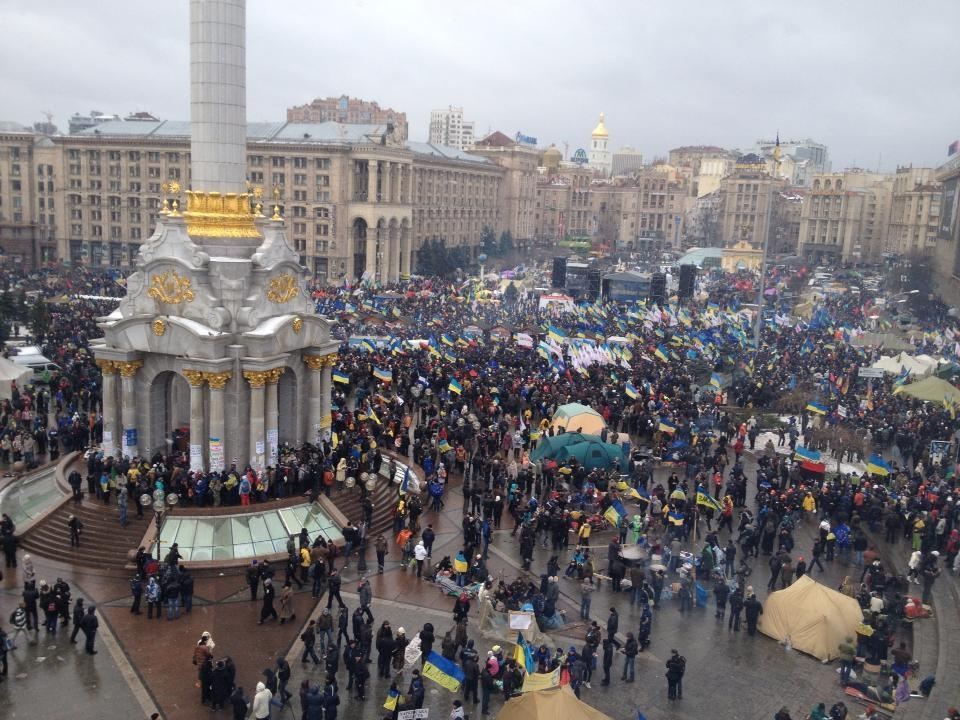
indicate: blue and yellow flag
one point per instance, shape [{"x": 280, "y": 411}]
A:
[
  {"x": 524, "y": 655},
  {"x": 666, "y": 426},
  {"x": 818, "y": 408},
  {"x": 631, "y": 390},
  {"x": 876, "y": 465},
  {"x": 455, "y": 386},
  {"x": 442, "y": 671},
  {"x": 556, "y": 334},
  {"x": 615, "y": 513},
  {"x": 393, "y": 697},
  {"x": 707, "y": 501},
  {"x": 716, "y": 381},
  {"x": 341, "y": 377},
  {"x": 661, "y": 354},
  {"x": 383, "y": 375}
]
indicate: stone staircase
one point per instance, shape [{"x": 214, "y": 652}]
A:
[
  {"x": 103, "y": 543},
  {"x": 384, "y": 499}
]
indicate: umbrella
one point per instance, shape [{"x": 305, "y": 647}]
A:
[{"x": 581, "y": 418}]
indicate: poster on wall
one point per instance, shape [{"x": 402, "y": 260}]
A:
[
  {"x": 107, "y": 444},
  {"x": 196, "y": 456},
  {"x": 216, "y": 455}
]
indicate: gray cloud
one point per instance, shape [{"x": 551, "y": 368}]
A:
[{"x": 867, "y": 78}]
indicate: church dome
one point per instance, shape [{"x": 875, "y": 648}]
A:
[
  {"x": 552, "y": 157},
  {"x": 600, "y": 130}
]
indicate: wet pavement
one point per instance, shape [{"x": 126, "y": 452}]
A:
[{"x": 729, "y": 675}]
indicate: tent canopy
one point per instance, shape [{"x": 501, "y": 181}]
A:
[
  {"x": 889, "y": 341},
  {"x": 918, "y": 366},
  {"x": 549, "y": 705},
  {"x": 593, "y": 455},
  {"x": 11, "y": 372},
  {"x": 580, "y": 418},
  {"x": 931, "y": 389},
  {"x": 815, "y": 618},
  {"x": 549, "y": 446}
]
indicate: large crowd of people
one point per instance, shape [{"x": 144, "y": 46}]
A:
[{"x": 465, "y": 379}]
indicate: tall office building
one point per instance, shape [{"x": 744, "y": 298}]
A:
[{"x": 447, "y": 127}]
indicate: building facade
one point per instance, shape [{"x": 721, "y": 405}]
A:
[
  {"x": 356, "y": 199},
  {"x": 845, "y": 217},
  {"x": 350, "y": 111},
  {"x": 914, "y": 212},
  {"x": 625, "y": 162},
  {"x": 448, "y": 128},
  {"x": 800, "y": 159},
  {"x": 518, "y": 188},
  {"x": 946, "y": 268},
  {"x": 745, "y": 196}
]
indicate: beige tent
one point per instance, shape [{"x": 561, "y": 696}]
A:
[
  {"x": 931, "y": 389},
  {"x": 815, "y": 618},
  {"x": 550, "y": 704}
]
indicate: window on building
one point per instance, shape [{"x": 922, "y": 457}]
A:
[
  {"x": 299, "y": 179},
  {"x": 323, "y": 181},
  {"x": 278, "y": 178}
]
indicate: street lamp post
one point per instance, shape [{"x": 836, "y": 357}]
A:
[{"x": 160, "y": 503}]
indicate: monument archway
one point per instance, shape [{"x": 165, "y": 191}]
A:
[{"x": 169, "y": 410}]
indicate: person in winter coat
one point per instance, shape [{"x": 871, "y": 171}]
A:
[
  {"x": 267, "y": 610},
  {"x": 287, "y": 612},
  {"x": 752, "y": 610},
  {"x": 721, "y": 592},
  {"x": 330, "y": 701},
  {"x": 400, "y": 643},
  {"x": 78, "y": 612},
  {"x": 736, "y": 607},
  {"x": 261, "y": 702},
  {"x": 89, "y": 626},
  {"x": 607, "y": 661},
  {"x": 630, "y": 650},
  {"x": 153, "y": 597},
  {"x": 471, "y": 673},
  {"x": 385, "y": 646},
  {"x": 427, "y": 639},
  {"x": 420, "y": 554},
  {"x": 220, "y": 685},
  {"x": 239, "y": 703}
]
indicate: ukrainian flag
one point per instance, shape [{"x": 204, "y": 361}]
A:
[
  {"x": 675, "y": 518},
  {"x": 383, "y": 375},
  {"x": 393, "y": 697},
  {"x": 716, "y": 381},
  {"x": 615, "y": 513},
  {"x": 443, "y": 446},
  {"x": 524, "y": 655},
  {"x": 455, "y": 386},
  {"x": 446, "y": 340},
  {"x": 661, "y": 354},
  {"x": 341, "y": 377},
  {"x": 667, "y": 426},
  {"x": 876, "y": 465},
  {"x": 444, "y": 672},
  {"x": 707, "y": 501},
  {"x": 556, "y": 334},
  {"x": 817, "y": 408},
  {"x": 631, "y": 391},
  {"x": 367, "y": 346}
]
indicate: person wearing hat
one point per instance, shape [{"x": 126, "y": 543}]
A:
[
  {"x": 676, "y": 667},
  {"x": 267, "y": 610}
]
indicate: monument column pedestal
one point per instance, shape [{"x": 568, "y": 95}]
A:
[
  {"x": 326, "y": 392},
  {"x": 315, "y": 367},
  {"x": 273, "y": 416},
  {"x": 111, "y": 436},
  {"x": 197, "y": 434},
  {"x": 215, "y": 456},
  {"x": 257, "y": 380},
  {"x": 128, "y": 406}
]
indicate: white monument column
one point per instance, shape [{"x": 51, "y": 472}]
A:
[
  {"x": 215, "y": 456},
  {"x": 273, "y": 416},
  {"x": 315, "y": 369},
  {"x": 218, "y": 95},
  {"x": 257, "y": 380},
  {"x": 326, "y": 392},
  {"x": 197, "y": 434},
  {"x": 128, "y": 406},
  {"x": 373, "y": 232},
  {"x": 110, "y": 436},
  {"x": 406, "y": 253},
  {"x": 387, "y": 184}
]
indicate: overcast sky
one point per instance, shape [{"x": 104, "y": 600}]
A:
[{"x": 871, "y": 79}]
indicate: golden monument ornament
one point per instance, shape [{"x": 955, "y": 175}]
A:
[
  {"x": 282, "y": 288},
  {"x": 171, "y": 288},
  {"x": 297, "y": 324},
  {"x": 159, "y": 327}
]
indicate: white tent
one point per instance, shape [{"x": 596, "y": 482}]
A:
[
  {"x": 918, "y": 366},
  {"x": 10, "y": 373}
]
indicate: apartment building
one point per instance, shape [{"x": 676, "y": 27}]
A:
[
  {"x": 355, "y": 199},
  {"x": 448, "y": 128},
  {"x": 348, "y": 110},
  {"x": 914, "y": 212}
]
